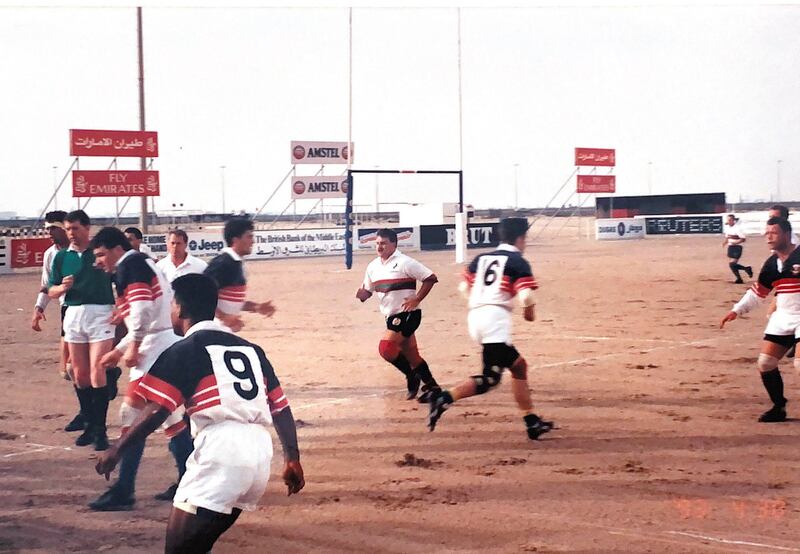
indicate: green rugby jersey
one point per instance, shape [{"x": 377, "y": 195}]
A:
[{"x": 91, "y": 285}]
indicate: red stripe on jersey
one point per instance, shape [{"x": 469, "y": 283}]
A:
[
  {"x": 173, "y": 430},
  {"x": 205, "y": 383},
  {"x": 786, "y": 281},
  {"x": 469, "y": 277},
  {"x": 393, "y": 281},
  {"x": 213, "y": 392},
  {"x": 210, "y": 404},
  {"x": 153, "y": 389},
  {"x": 525, "y": 283},
  {"x": 233, "y": 294},
  {"x": 760, "y": 290},
  {"x": 139, "y": 298}
]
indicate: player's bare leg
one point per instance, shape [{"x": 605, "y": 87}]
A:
[
  {"x": 522, "y": 396},
  {"x": 390, "y": 349},
  {"x": 771, "y": 353},
  {"x": 190, "y": 533},
  {"x": 420, "y": 368}
]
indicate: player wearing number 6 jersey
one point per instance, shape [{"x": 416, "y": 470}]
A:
[
  {"x": 231, "y": 392},
  {"x": 492, "y": 281}
]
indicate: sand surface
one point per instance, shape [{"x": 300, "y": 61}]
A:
[{"x": 657, "y": 447}]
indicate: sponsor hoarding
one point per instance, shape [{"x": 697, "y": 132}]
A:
[
  {"x": 319, "y": 187},
  {"x": 684, "y": 225},
  {"x": 316, "y": 152},
  {"x": 619, "y": 229},
  {"x": 133, "y": 144},
  {"x": 596, "y": 156},
  {"x": 28, "y": 252},
  {"x": 597, "y": 183},
  {"x": 443, "y": 237},
  {"x": 114, "y": 183}
]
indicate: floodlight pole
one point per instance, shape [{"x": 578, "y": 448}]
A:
[{"x": 143, "y": 161}]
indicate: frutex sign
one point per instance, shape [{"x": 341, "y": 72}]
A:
[
  {"x": 114, "y": 183},
  {"x": 319, "y": 187},
  {"x": 315, "y": 152},
  {"x": 133, "y": 144}
]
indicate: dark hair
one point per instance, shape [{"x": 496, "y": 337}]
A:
[
  {"x": 110, "y": 237},
  {"x": 388, "y": 234},
  {"x": 783, "y": 210},
  {"x": 196, "y": 294},
  {"x": 784, "y": 224},
  {"x": 511, "y": 228},
  {"x": 55, "y": 216},
  {"x": 135, "y": 232},
  {"x": 180, "y": 233},
  {"x": 236, "y": 227},
  {"x": 79, "y": 216}
]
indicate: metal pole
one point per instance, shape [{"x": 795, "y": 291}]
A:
[
  {"x": 55, "y": 187},
  {"x": 143, "y": 162}
]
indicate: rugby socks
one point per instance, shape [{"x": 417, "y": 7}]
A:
[
  {"x": 85, "y": 402},
  {"x": 773, "y": 382},
  {"x": 181, "y": 446},
  {"x": 402, "y": 364},
  {"x": 99, "y": 408},
  {"x": 735, "y": 269},
  {"x": 425, "y": 375}
]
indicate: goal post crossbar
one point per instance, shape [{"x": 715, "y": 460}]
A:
[{"x": 348, "y": 233}]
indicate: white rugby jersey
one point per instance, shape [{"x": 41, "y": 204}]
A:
[
  {"x": 144, "y": 296},
  {"x": 783, "y": 278},
  {"x": 190, "y": 265},
  {"x": 227, "y": 270},
  {"x": 394, "y": 280},
  {"x": 732, "y": 232},
  {"x": 496, "y": 277},
  {"x": 42, "y": 300},
  {"x": 218, "y": 376}
]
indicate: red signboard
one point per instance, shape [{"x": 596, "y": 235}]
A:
[
  {"x": 114, "y": 183},
  {"x": 28, "y": 252},
  {"x": 597, "y": 183},
  {"x": 596, "y": 156},
  {"x": 132, "y": 144}
]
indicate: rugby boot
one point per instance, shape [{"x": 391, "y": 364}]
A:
[
  {"x": 536, "y": 427},
  {"x": 738, "y": 281},
  {"x": 412, "y": 383},
  {"x": 78, "y": 423},
  {"x": 168, "y": 494},
  {"x": 775, "y": 414},
  {"x": 749, "y": 271},
  {"x": 113, "y": 500},
  {"x": 86, "y": 438},
  {"x": 438, "y": 405},
  {"x": 428, "y": 393},
  {"x": 112, "y": 376},
  {"x": 100, "y": 440}
]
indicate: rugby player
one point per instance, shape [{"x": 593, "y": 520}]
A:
[
  {"x": 178, "y": 261},
  {"x": 492, "y": 280},
  {"x": 734, "y": 238},
  {"x": 231, "y": 393},
  {"x": 781, "y": 273},
  {"x": 393, "y": 276}
]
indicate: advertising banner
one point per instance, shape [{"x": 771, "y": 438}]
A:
[
  {"x": 28, "y": 252},
  {"x": 597, "y": 183},
  {"x": 129, "y": 144},
  {"x": 443, "y": 237},
  {"x": 114, "y": 183},
  {"x": 619, "y": 229},
  {"x": 606, "y": 157},
  {"x": 407, "y": 238},
  {"x": 684, "y": 225},
  {"x": 315, "y": 152},
  {"x": 319, "y": 187}
]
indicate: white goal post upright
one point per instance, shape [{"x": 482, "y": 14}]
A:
[{"x": 461, "y": 234}]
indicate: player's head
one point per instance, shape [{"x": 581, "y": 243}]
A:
[
  {"x": 195, "y": 300},
  {"x": 385, "y": 243},
  {"x": 177, "y": 239},
  {"x": 239, "y": 235},
  {"x": 109, "y": 245},
  {"x": 54, "y": 224},
  {"x": 731, "y": 219},
  {"x": 513, "y": 231},
  {"x": 77, "y": 225},
  {"x": 779, "y": 210},
  {"x": 779, "y": 233},
  {"x": 134, "y": 236}
]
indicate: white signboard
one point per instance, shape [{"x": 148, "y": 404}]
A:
[
  {"x": 297, "y": 243},
  {"x": 314, "y": 152},
  {"x": 620, "y": 229},
  {"x": 319, "y": 187}
]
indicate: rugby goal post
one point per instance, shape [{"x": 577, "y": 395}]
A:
[{"x": 461, "y": 220}]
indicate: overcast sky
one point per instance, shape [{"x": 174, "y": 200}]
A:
[{"x": 693, "y": 99}]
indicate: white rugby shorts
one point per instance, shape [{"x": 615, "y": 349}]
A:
[
  {"x": 88, "y": 323},
  {"x": 153, "y": 345},
  {"x": 782, "y": 323},
  {"x": 229, "y": 468},
  {"x": 490, "y": 324}
]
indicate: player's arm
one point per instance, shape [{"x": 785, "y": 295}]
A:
[
  {"x": 150, "y": 419},
  {"x": 139, "y": 284},
  {"x": 263, "y": 308},
  {"x": 42, "y": 299},
  {"x": 365, "y": 291},
  {"x": 58, "y": 284},
  {"x": 752, "y": 298},
  {"x": 523, "y": 285},
  {"x": 285, "y": 426},
  {"x": 413, "y": 302},
  {"x": 468, "y": 278}
]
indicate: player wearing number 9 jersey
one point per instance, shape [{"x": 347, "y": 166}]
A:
[
  {"x": 231, "y": 392},
  {"x": 492, "y": 281}
]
